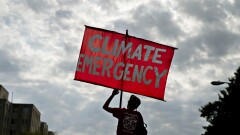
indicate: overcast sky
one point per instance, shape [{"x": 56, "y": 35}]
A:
[{"x": 40, "y": 42}]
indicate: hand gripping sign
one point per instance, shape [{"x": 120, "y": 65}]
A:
[{"x": 131, "y": 64}]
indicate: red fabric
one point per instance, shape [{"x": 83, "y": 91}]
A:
[
  {"x": 127, "y": 121},
  {"x": 102, "y": 62}
]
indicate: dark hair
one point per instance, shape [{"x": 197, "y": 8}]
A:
[{"x": 134, "y": 101}]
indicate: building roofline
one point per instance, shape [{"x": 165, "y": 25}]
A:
[{"x": 28, "y": 104}]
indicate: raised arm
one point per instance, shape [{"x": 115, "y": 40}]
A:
[{"x": 106, "y": 105}]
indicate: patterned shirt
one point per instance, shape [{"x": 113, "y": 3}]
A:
[{"x": 127, "y": 120}]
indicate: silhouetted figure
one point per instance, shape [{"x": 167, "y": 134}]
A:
[{"x": 128, "y": 119}]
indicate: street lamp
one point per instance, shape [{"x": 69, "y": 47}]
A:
[{"x": 220, "y": 83}]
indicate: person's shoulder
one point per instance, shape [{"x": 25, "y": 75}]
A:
[
  {"x": 139, "y": 113},
  {"x": 120, "y": 109},
  {"x": 135, "y": 112}
]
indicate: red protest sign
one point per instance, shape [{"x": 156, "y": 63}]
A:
[{"x": 131, "y": 64}]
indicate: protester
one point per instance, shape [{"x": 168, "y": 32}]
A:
[{"x": 128, "y": 118}]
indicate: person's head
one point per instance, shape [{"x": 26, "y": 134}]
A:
[{"x": 133, "y": 102}]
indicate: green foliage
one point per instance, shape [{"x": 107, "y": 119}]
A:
[{"x": 224, "y": 115}]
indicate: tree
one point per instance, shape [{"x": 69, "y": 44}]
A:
[{"x": 223, "y": 114}]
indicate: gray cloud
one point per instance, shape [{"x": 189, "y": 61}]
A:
[
  {"x": 63, "y": 13},
  {"x": 205, "y": 11},
  {"x": 220, "y": 42},
  {"x": 235, "y": 9},
  {"x": 38, "y": 6},
  {"x": 68, "y": 2},
  {"x": 214, "y": 43},
  {"x": 8, "y": 63},
  {"x": 150, "y": 17},
  {"x": 105, "y": 5}
]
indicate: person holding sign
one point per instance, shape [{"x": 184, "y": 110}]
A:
[{"x": 128, "y": 118}]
